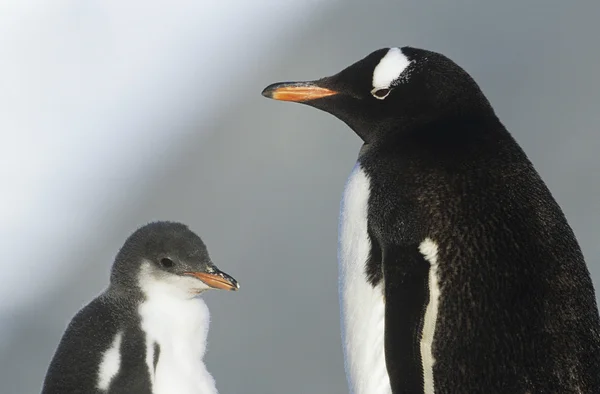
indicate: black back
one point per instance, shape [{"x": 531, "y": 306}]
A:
[
  {"x": 517, "y": 312},
  {"x": 74, "y": 367}
]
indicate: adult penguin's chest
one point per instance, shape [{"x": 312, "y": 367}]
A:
[{"x": 362, "y": 304}]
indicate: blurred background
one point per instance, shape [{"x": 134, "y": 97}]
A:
[{"x": 116, "y": 113}]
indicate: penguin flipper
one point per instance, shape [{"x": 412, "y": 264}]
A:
[
  {"x": 74, "y": 366},
  {"x": 406, "y": 274}
]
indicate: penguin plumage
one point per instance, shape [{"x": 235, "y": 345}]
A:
[
  {"x": 458, "y": 270},
  {"x": 146, "y": 334}
]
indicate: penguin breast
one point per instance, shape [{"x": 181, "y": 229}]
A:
[
  {"x": 362, "y": 304},
  {"x": 176, "y": 328}
]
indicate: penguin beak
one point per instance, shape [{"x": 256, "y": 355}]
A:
[
  {"x": 296, "y": 91},
  {"x": 216, "y": 280}
]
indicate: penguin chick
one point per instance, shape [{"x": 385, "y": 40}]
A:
[{"x": 146, "y": 334}]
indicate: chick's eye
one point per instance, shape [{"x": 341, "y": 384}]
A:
[
  {"x": 380, "y": 93},
  {"x": 166, "y": 262}
]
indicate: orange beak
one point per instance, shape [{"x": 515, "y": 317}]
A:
[
  {"x": 219, "y": 280},
  {"x": 296, "y": 91}
]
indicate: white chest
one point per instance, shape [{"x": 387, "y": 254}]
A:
[
  {"x": 180, "y": 328},
  {"x": 362, "y": 306}
]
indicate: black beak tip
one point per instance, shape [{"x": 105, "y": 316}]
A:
[
  {"x": 268, "y": 91},
  {"x": 234, "y": 283}
]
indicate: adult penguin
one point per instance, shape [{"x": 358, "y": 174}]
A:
[{"x": 458, "y": 270}]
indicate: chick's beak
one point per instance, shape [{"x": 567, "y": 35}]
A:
[
  {"x": 296, "y": 91},
  {"x": 216, "y": 279}
]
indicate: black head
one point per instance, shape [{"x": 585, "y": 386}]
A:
[
  {"x": 167, "y": 256},
  {"x": 392, "y": 90}
]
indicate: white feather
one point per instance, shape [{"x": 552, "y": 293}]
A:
[
  {"x": 150, "y": 358},
  {"x": 110, "y": 364},
  {"x": 429, "y": 250},
  {"x": 362, "y": 306},
  {"x": 178, "y": 322},
  {"x": 389, "y": 69}
]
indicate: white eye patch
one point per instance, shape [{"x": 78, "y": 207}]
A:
[{"x": 389, "y": 69}]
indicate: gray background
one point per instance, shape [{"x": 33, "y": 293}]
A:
[{"x": 263, "y": 187}]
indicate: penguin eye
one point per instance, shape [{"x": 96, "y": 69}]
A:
[
  {"x": 167, "y": 262},
  {"x": 380, "y": 93}
]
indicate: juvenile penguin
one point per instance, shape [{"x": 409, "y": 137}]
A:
[
  {"x": 146, "y": 334},
  {"x": 458, "y": 270}
]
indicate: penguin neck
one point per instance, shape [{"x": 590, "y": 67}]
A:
[
  {"x": 178, "y": 327},
  {"x": 170, "y": 318},
  {"x": 410, "y": 119},
  {"x": 171, "y": 306}
]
